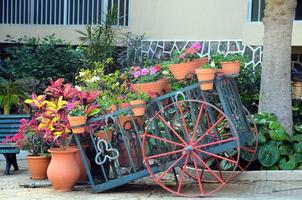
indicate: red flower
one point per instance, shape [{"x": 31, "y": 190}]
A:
[{"x": 158, "y": 67}]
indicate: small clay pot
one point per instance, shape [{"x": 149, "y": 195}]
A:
[
  {"x": 138, "y": 110},
  {"x": 77, "y": 121},
  {"x": 206, "y": 75},
  {"x": 230, "y": 68},
  {"x": 37, "y": 166}
]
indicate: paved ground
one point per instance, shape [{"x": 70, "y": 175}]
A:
[{"x": 12, "y": 187}]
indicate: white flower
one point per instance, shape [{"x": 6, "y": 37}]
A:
[
  {"x": 212, "y": 64},
  {"x": 81, "y": 74},
  {"x": 95, "y": 78},
  {"x": 165, "y": 73},
  {"x": 78, "y": 88},
  {"x": 117, "y": 83}
]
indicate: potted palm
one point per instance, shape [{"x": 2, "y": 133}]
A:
[
  {"x": 186, "y": 61},
  {"x": 206, "y": 75},
  {"x": 30, "y": 138}
]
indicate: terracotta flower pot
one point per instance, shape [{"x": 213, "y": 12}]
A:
[
  {"x": 165, "y": 84},
  {"x": 139, "y": 110},
  {"x": 106, "y": 135},
  {"x": 83, "y": 174},
  {"x": 63, "y": 171},
  {"x": 230, "y": 68},
  {"x": 77, "y": 121},
  {"x": 111, "y": 109},
  {"x": 37, "y": 166},
  {"x": 181, "y": 70},
  {"x": 126, "y": 122},
  {"x": 148, "y": 88},
  {"x": 206, "y": 75}
]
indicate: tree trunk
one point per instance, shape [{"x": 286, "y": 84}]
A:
[{"x": 275, "y": 92}]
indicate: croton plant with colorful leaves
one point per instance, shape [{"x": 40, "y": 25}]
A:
[{"x": 50, "y": 121}]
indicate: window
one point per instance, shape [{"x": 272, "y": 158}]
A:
[
  {"x": 257, "y": 10},
  {"x": 62, "y": 12}
]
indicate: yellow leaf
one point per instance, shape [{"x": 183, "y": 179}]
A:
[
  {"x": 57, "y": 133},
  {"x": 51, "y": 104},
  {"x": 28, "y": 101}
]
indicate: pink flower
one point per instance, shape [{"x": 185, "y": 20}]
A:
[
  {"x": 196, "y": 46},
  {"x": 182, "y": 56},
  {"x": 145, "y": 71},
  {"x": 137, "y": 74},
  {"x": 23, "y": 121},
  {"x": 191, "y": 50},
  {"x": 153, "y": 70}
]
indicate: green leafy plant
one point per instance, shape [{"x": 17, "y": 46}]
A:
[
  {"x": 13, "y": 92},
  {"x": 43, "y": 59},
  {"x": 79, "y": 110},
  {"x": 277, "y": 149},
  {"x": 187, "y": 54},
  {"x": 137, "y": 96}
]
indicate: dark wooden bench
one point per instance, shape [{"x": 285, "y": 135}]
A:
[{"x": 9, "y": 126}]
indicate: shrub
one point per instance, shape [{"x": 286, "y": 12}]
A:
[{"x": 42, "y": 58}]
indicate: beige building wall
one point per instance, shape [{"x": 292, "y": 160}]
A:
[{"x": 173, "y": 20}]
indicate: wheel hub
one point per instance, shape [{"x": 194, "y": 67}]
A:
[{"x": 189, "y": 148}]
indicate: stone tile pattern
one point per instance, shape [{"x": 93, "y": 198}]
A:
[{"x": 157, "y": 50}]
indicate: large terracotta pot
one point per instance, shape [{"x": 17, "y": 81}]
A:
[
  {"x": 230, "y": 68},
  {"x": 181, "y": 70},
  {"x": 206, "y": 75},
  {"x": 37, "y": 166},
  {"x": 63, "y": 171},
  {"x": 138, "y": 110},
  {"x": 83, "y": 174},
  {"x": 77, "y": 121},
  {"x": 149, "y": 88}
]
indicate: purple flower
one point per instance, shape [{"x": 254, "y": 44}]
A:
[
  {"x": 153, "y": 70},
  {"x": 137, "y": 74},
  {"x": 70, "y": 106},
  {"x": 196, "y": 45},
  {"x": 145, "y": 71}
]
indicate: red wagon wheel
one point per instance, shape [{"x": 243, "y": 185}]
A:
[
  {"x": 184, "y": 141},
  {"x": 248, "y": 150}
]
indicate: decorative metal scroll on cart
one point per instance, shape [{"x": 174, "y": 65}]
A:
[{"x": 186, "y": 140}]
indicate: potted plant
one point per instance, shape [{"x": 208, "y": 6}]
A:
[
  {"x": 138, "y": 101},
  {"x": 53, "y": 120},
  {"x": 231, "y": 64},
  {"x": 206, "y": 75},
  {"x": 185, "y": 62},
  {"x": 147, "y": 80},
  {"x": 30, "y": 138},
  {"x": 106, "y": 133},
  {"x": 77, "y": 117}
]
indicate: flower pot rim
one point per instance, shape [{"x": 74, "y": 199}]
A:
[
  {"x": 58, "y": 150},
  {"x": 139, "y": 101},
  {"x": 32, "y": 157},
  {"x": 82, "y": 116}
]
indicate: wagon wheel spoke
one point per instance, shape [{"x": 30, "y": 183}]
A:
[
  {"x": 197, "y": 122},
  {"x": 169, "y": 126},
  {"x": 164, "y": 154},
  {"x": 210, "y": 170},
  {"x": 183, "y": 121},
  {"x": 183, "y": 170},
  {"x": 198, "y": 176},
  {"x": 164, "y": 140},
  {"x": 216, "y": 156},
  {"x": 209, "y": 130},
  {"x": 171, "y": 167},
  {"x": 216, "y": 143}
]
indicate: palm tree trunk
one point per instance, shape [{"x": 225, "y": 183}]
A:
[{"x": 275, "y": 92}]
